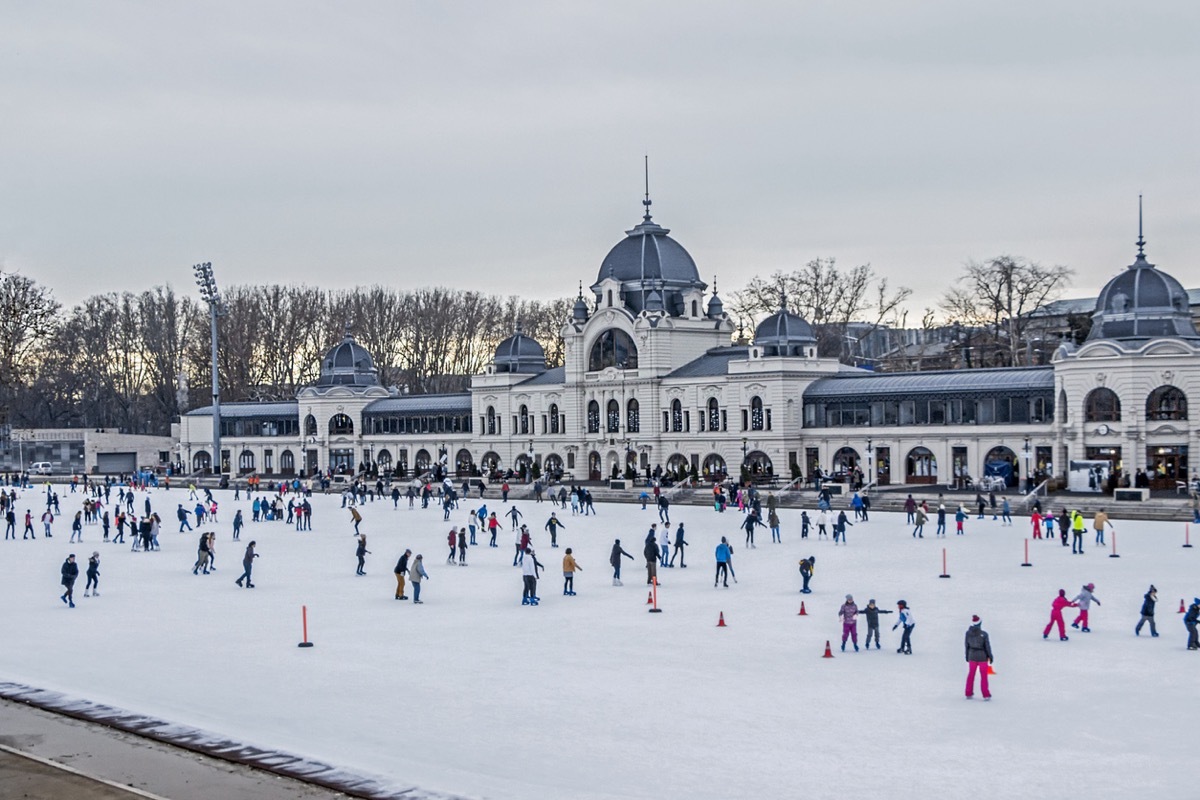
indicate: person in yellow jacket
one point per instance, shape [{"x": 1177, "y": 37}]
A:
[
  {"x": 1099, "y": 524},
  {"x": 569, "y": 569},
  {"x": 357, "y": 517},
  {"x": 1077, "y": 528}
]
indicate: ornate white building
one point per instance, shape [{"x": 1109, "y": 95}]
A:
[{"x": 652, "y": 380}]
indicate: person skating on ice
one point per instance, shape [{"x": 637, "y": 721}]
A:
[
  {"x": 416, "y": 574},
  {"x": 979, "y": 655},
  {"x": 452, "y": 540},
  {"x": 514, "y": 515},
  {"x": 570, "y": 567},
  {"x": 614, "y": 559},
  {"x": 724, "y": 554},
  {"x": 807, "y": 565},
  {"x": 93, "y": 575},
  {"x": 652, "y": 554},
  {"x": 1084, "y": 600},
  {"x": 872, "y": 612},
  {"x": 848, "y": 614},
  {"x": 1056, "y": 616},
  {"x": 680, "y": 543},
  {"x": 908, "y": 622},
  {"x": 248, "y": 565},
  {"x": 462, "y": 547},
  {"x": 1149, "y": 600},
  {"x": 552, "y": 525},
  {"x": 664, "y": 545},
  {"x": 530, "y": 570},
  {"x": 839, "y": 527},
  {"x": 361, "y": 552},
  {"x": 70, "y": 573},
  {"x": 1191, "y": 620}
]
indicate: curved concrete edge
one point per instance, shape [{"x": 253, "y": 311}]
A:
[{"x": 216, "y": 746}]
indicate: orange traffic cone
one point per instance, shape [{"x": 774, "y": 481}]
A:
[
  {"x": 828, "y": 650},
  {"x": 802, "y": 613},
  {"x": 721, "y": 620},
  {"x": 990, "y": 670},
  {"x": 650, "y": 598},
  {"x": 1182, "y": 609}
]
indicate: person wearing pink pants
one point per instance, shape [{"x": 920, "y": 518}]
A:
[
  {"x": 1056, "y": 616},
  {"x": 979, "y": 655}
]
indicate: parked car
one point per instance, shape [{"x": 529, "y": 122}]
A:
[{"x": 41, "y": 468}]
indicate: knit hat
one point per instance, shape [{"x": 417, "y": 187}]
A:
[
  {"x": 1062, "y": 592},
  {"x": 902, "y": 604},
  {"x": 849, "y": 598},
  {"x": 1090, "y": 586},
  {"x": 1152, "y": 588},
  {"x": 975, "y": 620}
]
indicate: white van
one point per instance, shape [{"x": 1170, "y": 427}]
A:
[{"x": 41, "y": 468}]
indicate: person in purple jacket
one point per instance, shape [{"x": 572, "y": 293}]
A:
[{"x": 849, "y": 616}]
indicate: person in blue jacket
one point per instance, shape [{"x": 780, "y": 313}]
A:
[{"x": 724, "y": 553}]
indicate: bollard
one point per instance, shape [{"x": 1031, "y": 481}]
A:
[
  {"x": 1114, "y": 552},
  {"x": 944, "y": 574},
  {"x": 1026, "y": 562},
  {"x": 654, "y": 597},
  {"x": 1187, "y": 535},
  {"x": 304, "y": 619}
]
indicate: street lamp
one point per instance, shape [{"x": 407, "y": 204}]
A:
[
  {"x": 745, "y": 456},
  {"x": 1028, "y": 453},
  {"x": 870, "y": 460},
  {"x": 210, "y": 295}
]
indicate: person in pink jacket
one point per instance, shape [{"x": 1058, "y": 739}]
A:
[{"x": 1056, "y": 615}]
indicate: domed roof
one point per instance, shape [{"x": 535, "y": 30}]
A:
[
  {"x": 649, "y": 260},
  {"x": 348, "y": 364},
  {"x": 782, "y": 329},
  {"x": 1141, "y": 303},
  {"x": 520, "y": 353}
]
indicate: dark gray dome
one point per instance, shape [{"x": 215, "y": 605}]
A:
[
  {"x": 348, "y": 364},
  {"x": 1142, "y": 303},
  {"x": 648, "y": 260},
  {"x": 520, "y": 353},
  {"x": 784, "y": 329}
]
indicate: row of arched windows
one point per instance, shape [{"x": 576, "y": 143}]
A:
[
  {"x": 612, "y": 417},
  {"x": 1164, "y": 403},
  {"x": 523, "y": 421}
]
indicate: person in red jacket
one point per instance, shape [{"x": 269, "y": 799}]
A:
[{"x": 1056, "y": 615}]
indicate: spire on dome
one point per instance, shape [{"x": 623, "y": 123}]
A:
[
  {"x": 1141, "y": 242},
  {"x": 646, "y": 202}
]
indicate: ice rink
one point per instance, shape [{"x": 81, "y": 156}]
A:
[{"x": 591, "y": 696}]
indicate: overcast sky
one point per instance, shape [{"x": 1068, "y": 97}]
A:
[{"x": 498, "y": 146}]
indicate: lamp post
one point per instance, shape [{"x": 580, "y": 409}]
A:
[
  {"x": 869, "y": 476},
  {"x": 745, "y": 458},
  {"x": 210, "y": 294},
  {"x": 1028, "y": 453}
]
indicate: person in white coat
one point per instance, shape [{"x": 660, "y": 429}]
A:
[
  {"x": 529, "y": 574},
  {"x": 908, "y": 622},
  {"x": 822, "y": 523}
]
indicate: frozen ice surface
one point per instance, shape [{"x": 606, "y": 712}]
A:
[{"x": 592, "y": 697}]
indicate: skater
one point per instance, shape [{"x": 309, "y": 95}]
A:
[
  {"x": 70, "y": 572},
  {"x": 979, "y": 656},
  {"x": 822, "y": 522},
  {"x": 462, "y": 547},
  {"x": 1056, "y": 616},
  {"x": 529, "y": 572},
  {"x": 1191, "y": 619},
  {"x": 960, "y": 517},
  {"x": 1005, "y": 512},
  {"x": 907, "y": 622},
  {"x": 182, "y": 515},
  {"x": 417, "y": 573},
  {"x": 237, "y": 525},
  {"x": 919, "y": 523},
  {"x": 247, "y": 565},
  {"x": 614, "y": 559},
  {"x": 1048, "y": 524},
  {"x": 664, "y": 546},
  {"x": 839, "y": 527},
  {"x": 752, "y": 522},
  {"x": 664, "y": 509},
  {"x": 1149, "y": 599},
  {"x": 773, "y": 522},
  {"x": 76, "y": 528},
  {"x": 201, "y": 555},
  {"x": 806, "y": 572},
  {"x": 356, "y": 517},
  {"x": 452, "y": 540},
  {"x": 804, "y": 523},
  {"x": 570, "y": 567},
  {"x": 872, "y": 613},
  {"x": 493, "y": 526},
  {"x": 1099, "y": 523},
  {"x": 652, "y": 554},
  {"x": 362, "y": 552},
  {"x": 515, "y": 516},
  {"x": 522, "y": 544},
  {"x": 401, "y": 570},
  {"x": 680, "y": 543},
  {"x": 910, "y": 509},
  {"x": 848, "y": 614},
  {"x": 93, "y": 575},
  {"x": 552, "y": 525},
  {"x": 941, "y": 521},
  {"x": 1036, "y": 519},
  {"x": 724, "y": 554},
  {"x": 1077, "y": 527},
  {"x": 1084, "y": 599}
]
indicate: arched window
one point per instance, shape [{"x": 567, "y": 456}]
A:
[
  {"x": 1102, "y": 405},
  {"x": 634, "y": 423},
  {"x": 287, "y": 462},
  {"x": 554, "y": 418},
  {"x": 613, "y": 413},
  {"x": 493, "y": 427},
  {"x": 201, "y": 462},
  {"x": 613, "y": 348},
  {"x": 676, "y": 416},
  {"x": 714, "y": 414},
  {"x": 310, "y": 425},
  {"x": 523, "y": 420},
  {"x": 246, "y": 462},
  {"x": 756, "y": 413},
  {"x": 341, "y": 425},
  {"x": 1062, "y": 405},
  {"x": 1166, "y": 402},
  {"x": 593, "y": 417}
]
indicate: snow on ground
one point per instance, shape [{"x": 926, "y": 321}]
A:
[{"x": 591, "y": 696}]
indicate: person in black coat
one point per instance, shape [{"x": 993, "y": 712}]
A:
[
  {"x": 70, "y": 572},
  {"x": 652, "y": 554},
  {"x": 1191, "y": 619},
  {"x": 679, "y": 545},
  {"x": 247, "y": 565},
  {"x": 979, "y": 656},
  {"x": 872, "y": 612},
  {"x": 93, "y": 575},
  {"x": 615, "y": 560},
  {"x": 1148, "y": 601}
]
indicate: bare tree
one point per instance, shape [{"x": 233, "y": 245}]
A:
[
  {"x": 997, "y": 295},
  {"x": 28, "y": 318}
]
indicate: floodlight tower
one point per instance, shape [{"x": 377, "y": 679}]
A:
[{"x": 208, "y": 291}]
